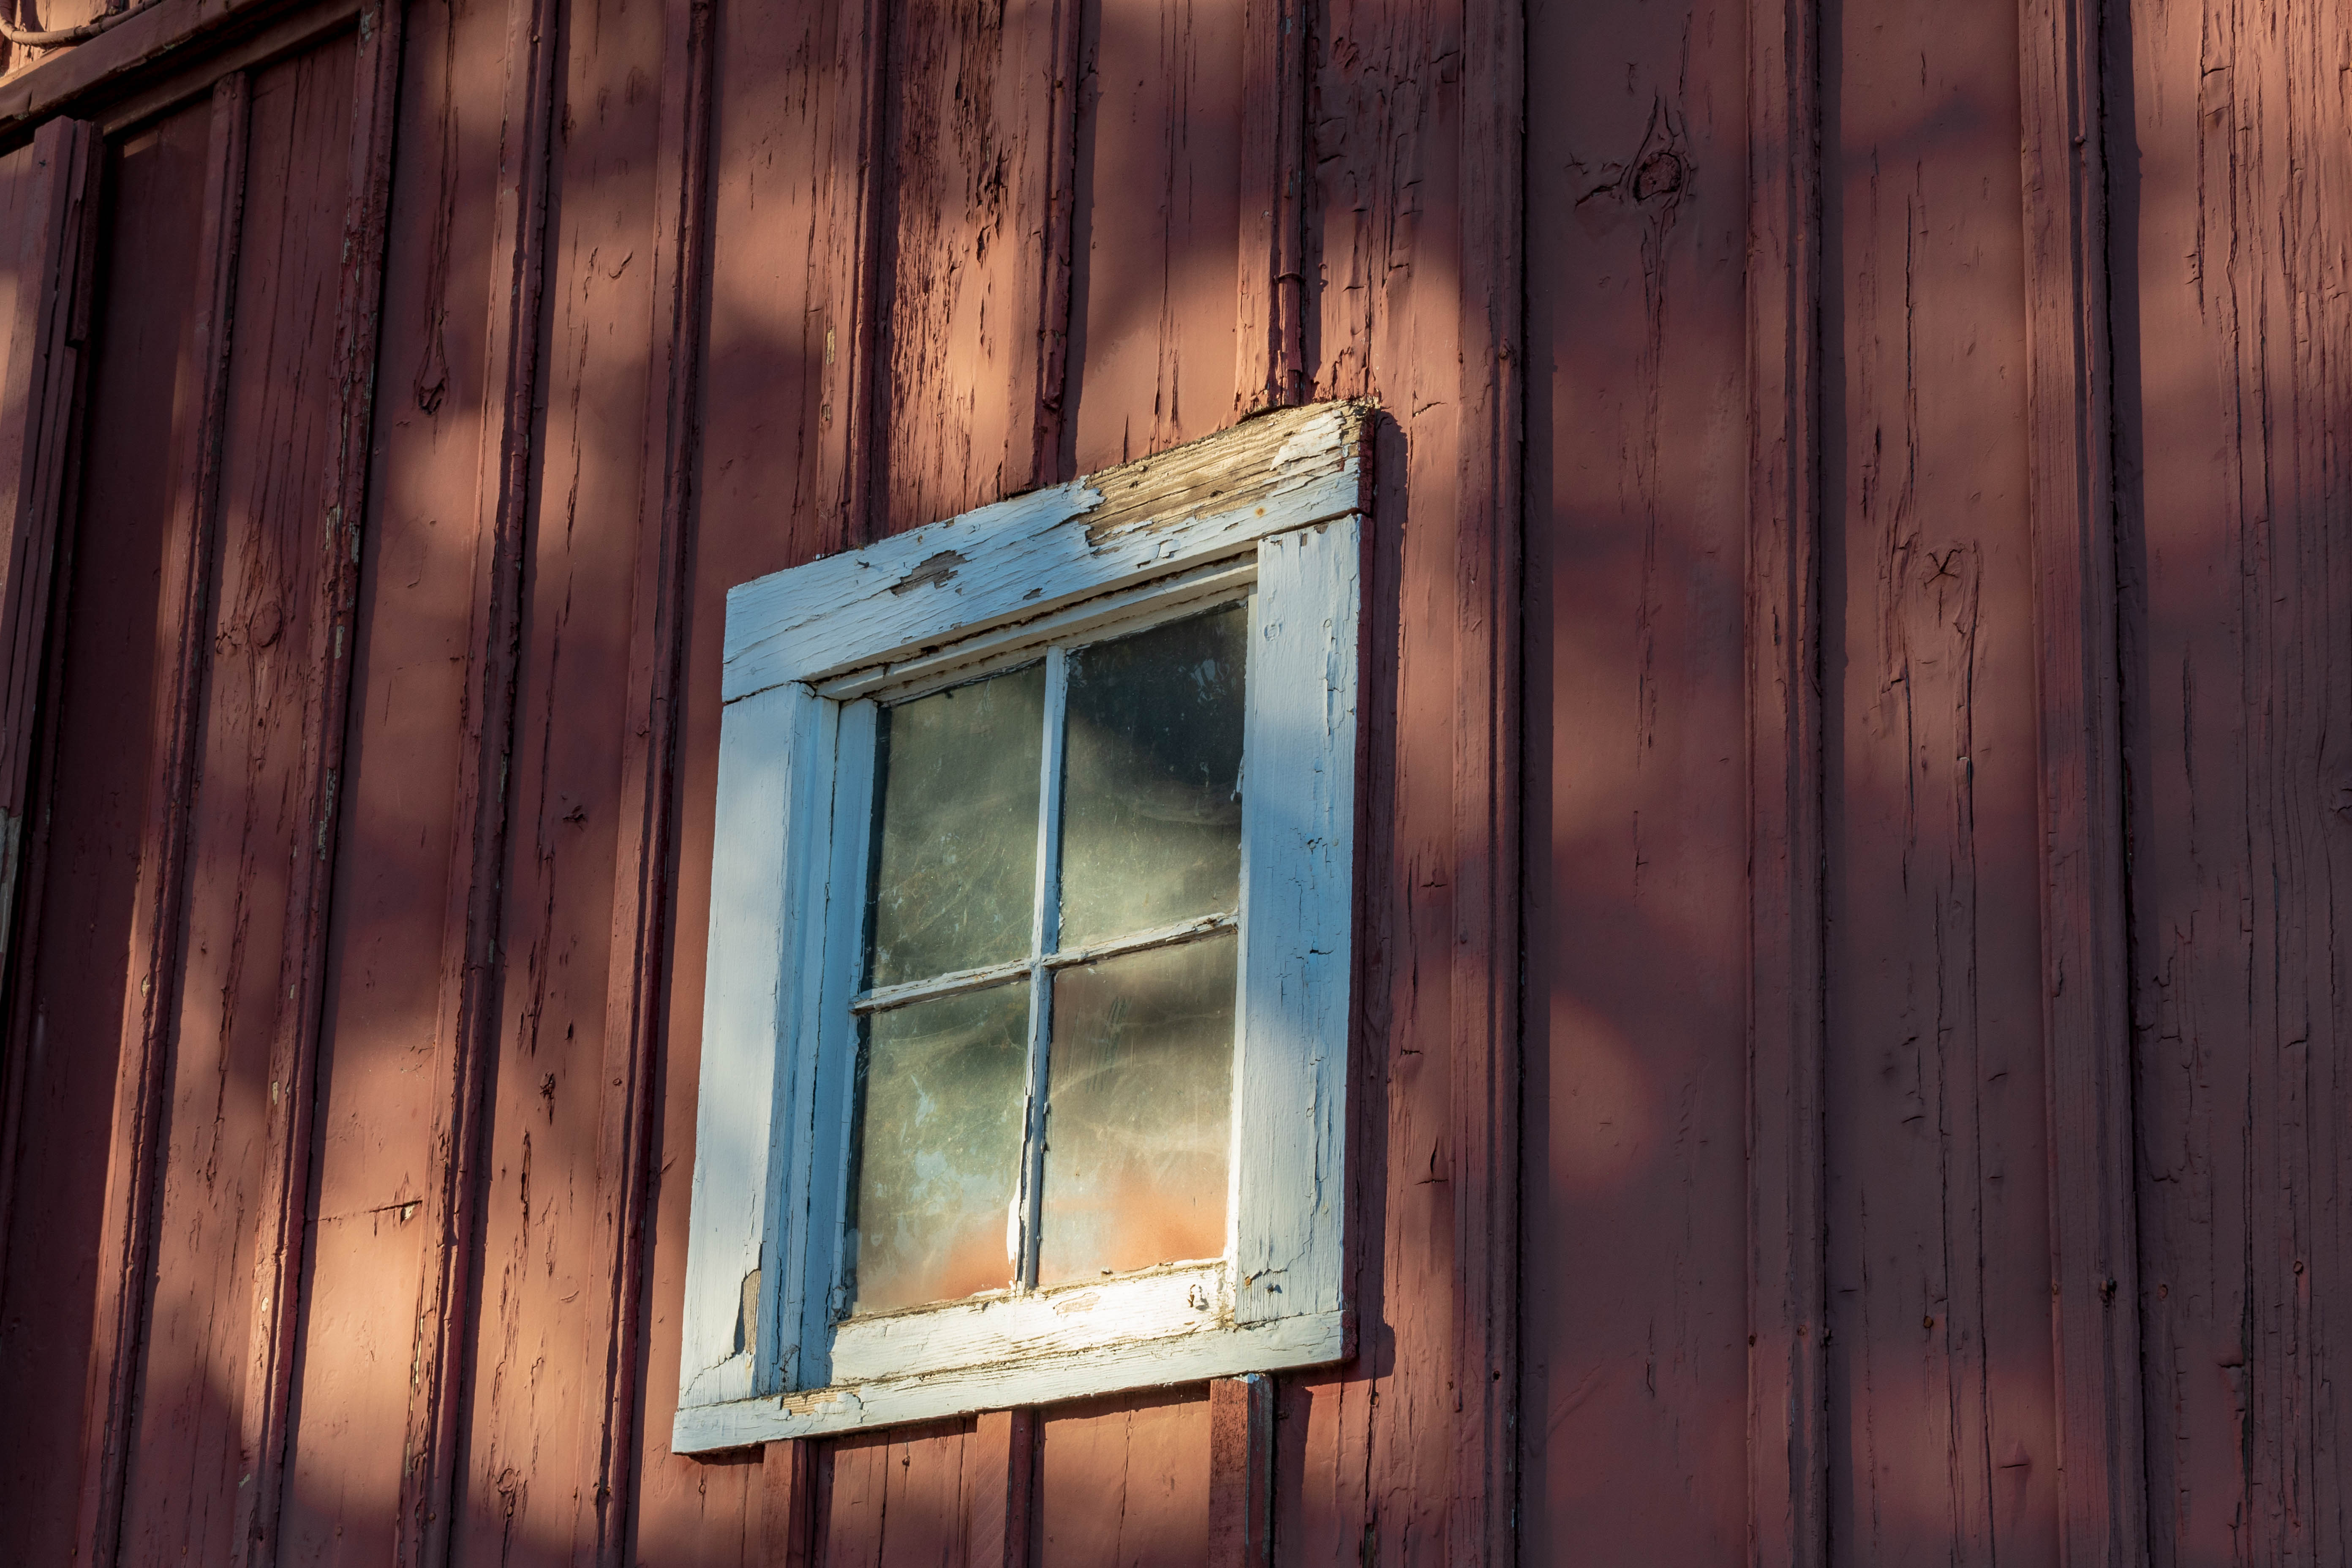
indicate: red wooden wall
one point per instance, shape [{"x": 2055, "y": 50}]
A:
[{"x": 1850, "y": 1065}]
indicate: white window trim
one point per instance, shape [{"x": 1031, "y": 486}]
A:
[{"x": 1278, "y": 503}]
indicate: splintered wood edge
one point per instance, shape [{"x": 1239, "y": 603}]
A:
[
  {"x": 1214, "y": 498},
  {"x": 1318, "y": 1339}
]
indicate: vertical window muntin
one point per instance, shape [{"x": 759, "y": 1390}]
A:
[{"x": 1047, "y": 958}]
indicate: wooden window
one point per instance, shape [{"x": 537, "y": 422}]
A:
[{"x": 1026, "y": 1029}]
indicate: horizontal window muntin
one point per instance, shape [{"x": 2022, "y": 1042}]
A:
[{"x": 884, "y": 997}]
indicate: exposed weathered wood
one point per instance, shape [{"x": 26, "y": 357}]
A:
[
  {"x": 284, "y": 1196},
  {"x": 1241, "y": 1472},
  {"x": 466, "y": 1024},
  {"x": 1482, "y": 1517},
  {"x": 1788, "y": 1304},
  {"x": 152, "y": 998},
  {"x": 1145, "y": 519},
  {"x": 2093, "y": 1234}
]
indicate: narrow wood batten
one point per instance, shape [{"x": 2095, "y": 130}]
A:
[
  {"x": 1488, "y": 962},
  {"x": 1788, "y": 1285},
  {"x": 1241, "y": 1472},
  {"x": 1269, "y": 336},
  {"x": 2086, "y": 1023}
]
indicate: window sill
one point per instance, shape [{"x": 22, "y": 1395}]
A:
[{"x": 1190, "y": 1354}]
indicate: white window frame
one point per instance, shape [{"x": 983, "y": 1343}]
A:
[{"x": 1273, "y": 510}]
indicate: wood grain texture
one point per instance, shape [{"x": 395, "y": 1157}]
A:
[
  {"x": 1943, "y": 1393},
  {"x": 2230, "y": 183},
  {"x": 2094, "y": 1238},
  {"x": 1789, "y": 1452}
]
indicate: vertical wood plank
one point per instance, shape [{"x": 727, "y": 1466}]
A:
[
  {"x": 1482, "y": 1519},
  {"x": 787, "y": 1503},
  {"x": 1269, "y": 337},
  {"x": 294, "y": 1058},
  {"x": 645, "y": 871},
  {"x": 2087, "y": 1045},
  {"x": 1003, "y": 1460},
  {"x": 50, "y": 198},
  {"x": 151, "y": 1004},
  {"x": 854, "y": 194},
  {"x": 1123, "y": 1482},
  {"x": 1788, "y": 1394},
  {"x": 1241, "y": 1472},
  {"x": 2229, "y": 184},
  {"x": 968, "y": 150},
  {"x": 1048, "y": 457},
  {"x": 466, "y": 1027},
  {"x": 1155, "y": 278}
]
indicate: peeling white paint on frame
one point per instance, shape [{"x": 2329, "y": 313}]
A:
[{"x": 1279, "y": 499}]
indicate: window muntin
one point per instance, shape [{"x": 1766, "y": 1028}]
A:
[{"x": 1102, "y": 785}]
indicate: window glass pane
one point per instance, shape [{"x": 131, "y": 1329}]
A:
[
  {"x": 1151, "y": 813},
  {"x": 1139, "y": 1125},
  {"x": 939, "y": 1146},
  {"x": 956, "y": 843}
]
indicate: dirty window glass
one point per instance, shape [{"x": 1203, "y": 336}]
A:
[
  {"x": 1151, "y": 806},
  {"x": 942, "y": 1088},
  {"x": 958, "y": 841},
  {"x": 1109, "y": 1074},
  {"x": 1140, "y": 1111}
]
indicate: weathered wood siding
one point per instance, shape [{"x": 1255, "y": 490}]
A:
[{"x": 1849, "y": 1063}]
